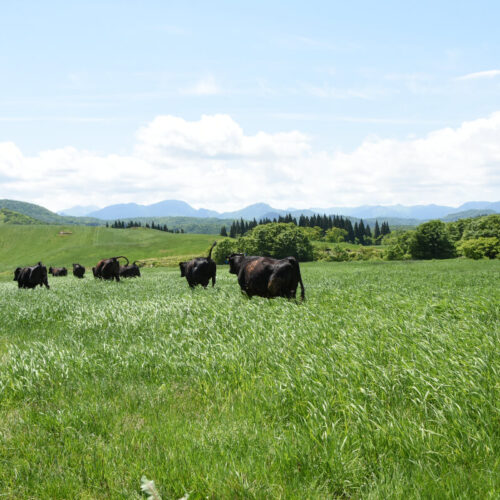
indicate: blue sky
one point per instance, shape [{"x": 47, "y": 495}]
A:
[{"x": 82, "y": 82}]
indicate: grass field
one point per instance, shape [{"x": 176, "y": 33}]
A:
[
  {"x": 385, "y": 383},
  {"x": 26, "y": 245}
]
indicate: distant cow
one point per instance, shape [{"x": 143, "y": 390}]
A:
[
  {"x": 131, "y": 271},
  {"x": 108, "y": 269},
  {"x": 199, "y": 271},
  {"x": 78, "y": 270},
  {"x": 267, "y": 277},
  {"x": 58, "y": 271},
  {"x": 30, "y": 277}
]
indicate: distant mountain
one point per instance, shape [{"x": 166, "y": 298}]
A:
[
  {"x": 257, "y": 211},
  {"x": 395, "y": 215},
  {"x": 43, "y": 215},
  {"x": 79, "y": 210},
  {"x": 176, "y": 208},
  {"x": 479, "y": 205},
  {"x": 171, "y": 208},
  {"x": 421, "y": 212},
  {"x": 466, "y": 214}
]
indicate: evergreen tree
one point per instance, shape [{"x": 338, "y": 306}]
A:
[
  {"x": 223, "y": 231},
  {"x": 350, "y": 230}
]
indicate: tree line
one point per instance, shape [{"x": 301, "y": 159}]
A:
[
  {"x": 120, "y": 224},
  {"x": 475, "y": 238},
  {"x": 333, "y": 228}
]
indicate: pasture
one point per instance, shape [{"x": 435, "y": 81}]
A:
[
  {"x": 385, "y": 383},
  {"x": 63, "y": 245}
]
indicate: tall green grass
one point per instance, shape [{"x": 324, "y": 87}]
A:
[{"x": 385, "y": 383}]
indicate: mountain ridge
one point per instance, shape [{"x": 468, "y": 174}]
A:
[{"x": 178, "y": 208}]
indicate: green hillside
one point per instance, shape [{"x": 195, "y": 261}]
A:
[
  {"x": 62, "y": 245},
  {"x": 198, "y": 225},
  {"x": 42, "y": 214},
  {"x": 467, "y": 214},
  {"x": 10, "y": 217}
]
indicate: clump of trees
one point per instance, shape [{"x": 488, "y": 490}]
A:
[
  {"x": 277, "y": 240},
  {"x": 475, "y": 238},
  {"x": 120, "y": 224},
  {"x": 334, "y": 228}
]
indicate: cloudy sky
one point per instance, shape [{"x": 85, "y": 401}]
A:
[{"x": 223, "y": 104}]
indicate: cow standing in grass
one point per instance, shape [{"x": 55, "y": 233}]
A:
[
  {"x": 267, "y": 277},
  {"x": 199, "y": 271},
  {"x": 78, "y": 270},
  {"x": 108, "y": 269},
  {"x": 58, "y": 271},
  {"x": 131, "y": 271},
  {"x": 31, "y": 277}
]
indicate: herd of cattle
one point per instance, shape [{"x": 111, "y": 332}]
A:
[{"x": 262, "y": 276}]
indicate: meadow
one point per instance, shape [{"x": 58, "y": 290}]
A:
[
  {"x": 62, "y": 245},
  {"x": 385, "y": 383}
]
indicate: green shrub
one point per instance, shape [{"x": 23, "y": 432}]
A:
[
  {"x": 478, "y": 248},
  {"x": 278, "y": 240},
  {"x": 336, "y": 235},
  {"x": 366, "y": 253},
  {"x": 483, "y": 227},
  {"x": 431, "y": 241},
  {"x": 398, "y": 245},
  {"x": 342, "y": 254},
  {"x": 224, "y": 247},
  {"x": 335, "y": 254}
]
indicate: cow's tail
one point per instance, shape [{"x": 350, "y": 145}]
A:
[
  {"x": 122, "y": 257},
  {"x": 211, "y": 248},
  {"x": 302, "y": 289}
]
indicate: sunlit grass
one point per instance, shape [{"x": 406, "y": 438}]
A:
[{"x": 384, "y": 383}]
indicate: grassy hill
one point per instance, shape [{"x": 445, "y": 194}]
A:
[
  {"x": 62, "y": 245},
  {"x": 10, "y": 217},
  {"x": 42, "y": 214}
]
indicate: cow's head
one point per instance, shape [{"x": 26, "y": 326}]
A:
[
  {"x": 182, "y": 265},
  {"x": 51, "y": 270},
  {"x": 17, "y": 272},
  {"x": 235, "y": 260}
]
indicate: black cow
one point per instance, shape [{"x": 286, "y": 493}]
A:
[
  {"x": 58, "y": 271},
  {"x": 267, "y": 277},
  {"x": 78, "y": 270},
  {"x": 30, "y": 277},
  {"x": 130, "y": 271},
  {"x": 199, "y": 271},
  {"x": 108, "y": 269}
]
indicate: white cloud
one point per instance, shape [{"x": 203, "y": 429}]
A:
[
  {"x": 480, "y": 74},
  {"x": 205, "y": 86},
  {"x": 212, "y": 163}
]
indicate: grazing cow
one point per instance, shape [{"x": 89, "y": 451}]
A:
[
  {"x": 130, "y": 271},
  {"x": 108, "y": 269},
  {"x": 199, "y": 271},
  {"x": 78, "y": 270},
  {"x": 30, "y": 277},
  {"x": 58, "y": 271},
  {"x": 267, "y": 277}
]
